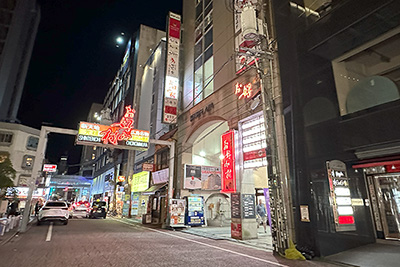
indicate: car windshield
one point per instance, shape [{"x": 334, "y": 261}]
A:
[{"x": 55, "y": 204}]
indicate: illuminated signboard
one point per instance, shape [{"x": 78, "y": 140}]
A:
[
  {"x": 339, "y": 196},
  {"x": 254, "y": 144},
  {"x": 228, "y": 179},
  {"x": 49, "y": 167},
  {"x": 118, "y": 135},
  {"x": 140, "y": 181},
  {"x": 247, "y": 86},
  {"x": 172, "y": 70}
]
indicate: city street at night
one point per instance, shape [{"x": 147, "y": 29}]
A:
[
  {"x": 200, "y": 133},
  {"x": 113, "y": 242}
]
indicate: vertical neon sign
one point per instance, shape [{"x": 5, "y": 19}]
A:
[{"x": 228, "y": 183}]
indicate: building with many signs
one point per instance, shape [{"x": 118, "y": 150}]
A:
[
  {"x": 334, "y": 77},
  {"x": 221, "y": 133},
  {"x": 111, "y": 160}
]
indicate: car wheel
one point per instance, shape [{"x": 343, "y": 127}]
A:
[{"x": 65, "y": 222}]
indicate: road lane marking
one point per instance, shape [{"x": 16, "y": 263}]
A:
[
  {"x": 208, "y": 245},
  {"x": 48, "y": 237}
]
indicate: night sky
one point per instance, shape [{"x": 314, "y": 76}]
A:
[{"x": 75, "y": 59}]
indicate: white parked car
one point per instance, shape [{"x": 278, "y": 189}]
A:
[{"x": 54, "y": 211}]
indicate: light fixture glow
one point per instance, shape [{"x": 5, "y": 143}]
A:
[
  {"x": 202, "y": 153},
  {"x": 120, "y": 40},
  {"x": 221, "y": 157}
]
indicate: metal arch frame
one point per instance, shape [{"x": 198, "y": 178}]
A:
[{"x": 40, "y": 154}]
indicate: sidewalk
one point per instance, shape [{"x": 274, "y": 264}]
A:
[
  {"x": 12, "y": 232},
  {"x": 382, "y": 253},
  {"x": 264, "y": 240}
]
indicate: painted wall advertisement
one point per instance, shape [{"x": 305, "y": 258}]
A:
[
  {"x": 202, "y": 177},
  {"x": 177, "y": 212}
]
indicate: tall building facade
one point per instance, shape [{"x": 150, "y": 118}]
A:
[
  {"x": 125, "y": 90},
  {"x": 216, "y": 108},
  {"x": 19, "y": 21},
  {"x": 340, "y": 82}
]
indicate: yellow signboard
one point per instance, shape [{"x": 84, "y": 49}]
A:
[{"x": 140, "y": 181}]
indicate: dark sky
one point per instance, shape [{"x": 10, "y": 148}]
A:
[{"x": 75, "y": 58}]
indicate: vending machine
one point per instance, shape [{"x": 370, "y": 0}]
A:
[{"x": 194, "y": 211}]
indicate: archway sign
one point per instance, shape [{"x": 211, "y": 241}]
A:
[{"x": 118, "y": 135}]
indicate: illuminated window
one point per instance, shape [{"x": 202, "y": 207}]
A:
[
  {"x": 27, "y": 162},
  {"x": 203, "y": 51}
]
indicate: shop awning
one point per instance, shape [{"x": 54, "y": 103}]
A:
[
  {"x": 153, "y": 189},
  {"x": 375, "y": 164}
]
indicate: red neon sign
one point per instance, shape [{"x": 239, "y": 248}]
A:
[
  {"x": 120, "y": 131},
  {"x": 243, "y": 90},
  {"x": 346, "y": 219},
  {"x": 228, "y": 177}
]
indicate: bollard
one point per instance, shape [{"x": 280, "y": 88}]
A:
[{"x": 3, "y": 225}]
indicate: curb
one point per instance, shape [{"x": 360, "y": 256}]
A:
[{"x": 16, "y": 233}]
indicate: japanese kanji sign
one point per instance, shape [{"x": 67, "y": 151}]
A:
[
  {"x": 228, "y": 181},
  {"x": 118, "y": 135},
  {"x": 172, "y": 70}
]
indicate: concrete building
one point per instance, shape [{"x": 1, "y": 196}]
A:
[
  {"x": 213, "y": 102},
  {"x": 20, "y": 142},
  {"x": 125, "y": 90},
  {"x": 19, "y": 20}
]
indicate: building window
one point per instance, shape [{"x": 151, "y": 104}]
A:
[
  {"x": 6, "y": 138},
  {"x": 23, "y": 180},
  {"x": 369, "y": 77},
  {"x": 32, "y": 143},
  {"x": 203, "y": 51},
  {"x": 27, "y": 162}
]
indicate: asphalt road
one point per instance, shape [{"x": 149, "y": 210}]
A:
[{"x": 111, "y": 242}]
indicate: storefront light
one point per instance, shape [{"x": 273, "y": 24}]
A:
[
  {"x": 221, "y": 157},
  {"x": 342, "y": 191},
  {"x": 345, "y": 210},
  {"x": 343, "y": 201},
  {"x": 202, "y": 153}
]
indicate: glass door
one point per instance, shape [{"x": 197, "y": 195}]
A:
[{"x": 388, "y": 194}]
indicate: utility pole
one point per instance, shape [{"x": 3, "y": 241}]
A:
[{"x": 278, "y": 179}]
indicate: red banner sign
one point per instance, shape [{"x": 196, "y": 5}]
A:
[{"x": 228, "y": 179}]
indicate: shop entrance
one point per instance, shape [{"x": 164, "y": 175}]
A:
[{"x": 384, "y": 191}]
